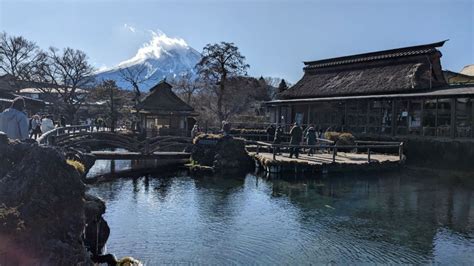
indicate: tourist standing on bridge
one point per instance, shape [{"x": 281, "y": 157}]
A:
[
  {"x": 62, "y": 121},
  {"x": 296, "y": 134},
  {"x": 47, "y": 124},
  {"x": 35, "y": 125},
  {"x": 311, "y": 139},
  {"x": 13, "y": 121}
]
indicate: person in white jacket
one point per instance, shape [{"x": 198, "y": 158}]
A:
[
  {"x": 13, "y": 121},
  {"x": 47, "y": 124}
]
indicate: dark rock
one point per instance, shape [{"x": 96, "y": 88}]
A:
[
  {"x": 222, "y": 153},
  {"x": 47, "y": 197}
]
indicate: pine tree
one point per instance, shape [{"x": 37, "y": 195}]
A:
[{"x": 282, "y": 87}]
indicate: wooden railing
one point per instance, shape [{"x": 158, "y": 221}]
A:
[
  {"x": 48, "y": 137},
  {"x": 367, "y": 146}
]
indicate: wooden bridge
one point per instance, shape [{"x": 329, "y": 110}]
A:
[{"x": 161, "y": 147}]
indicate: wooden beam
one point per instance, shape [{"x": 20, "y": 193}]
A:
[{"x": 453, "y": 117}]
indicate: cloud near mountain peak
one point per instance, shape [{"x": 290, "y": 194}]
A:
[{"x": 160, "y": 43}]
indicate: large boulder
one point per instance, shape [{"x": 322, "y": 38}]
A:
[
  {"x": 223, "y": 153},
  {"x": 42, "y": 215}
]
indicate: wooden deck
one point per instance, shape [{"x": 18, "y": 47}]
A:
[{"x": 324, "y": 162}]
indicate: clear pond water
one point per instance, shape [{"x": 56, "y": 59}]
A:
[{"x": 397, "y": 217}]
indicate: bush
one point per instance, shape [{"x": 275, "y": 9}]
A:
[
  {"x": 77, "y": 165},
  {"x": 340, "y": 138}
]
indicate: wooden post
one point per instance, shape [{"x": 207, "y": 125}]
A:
[
  {"x": 368, "y": 155},
  {"x": 400, "y": 151},
  {"x": 394, "y": 117},
  {"x": 274, "y": 152},
  {"x": 147, "y": 146},
  {"x": 436, "y": 118},
  {"x": 453, "y": 118}
]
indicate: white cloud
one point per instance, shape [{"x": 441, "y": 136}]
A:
[
  {"x": 159, "y": 43},
  {"x": 129, "y": 27}
]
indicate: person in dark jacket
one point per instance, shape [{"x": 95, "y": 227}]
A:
[
  {"x": 277, "y": 139},
  {"x": 271, "y": 132},
  {"x": 296, "y": 134},
  {"x": 13, "y": 121},
  {"x": 311, "y": 139}
]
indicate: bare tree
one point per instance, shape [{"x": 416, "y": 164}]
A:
[
  {"x": 218, "y": 63},
  {"x": 135, "y": 76},
  {"x": 68, "y": 74},
  {"x": 116, "y": 101},
  {"x": 187, "y": 86},
  {"x": 18, "y": 56}
]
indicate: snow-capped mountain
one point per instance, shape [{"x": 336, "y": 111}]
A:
[{"x": 161, "y": 57}]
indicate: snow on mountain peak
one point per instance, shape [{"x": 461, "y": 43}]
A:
[{"x": 160, "y": 43}]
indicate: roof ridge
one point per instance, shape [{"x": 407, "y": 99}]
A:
[{"x": 371, "y": 56}]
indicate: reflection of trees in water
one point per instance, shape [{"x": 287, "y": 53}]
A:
[
  {"x": 403, "y": 208},
  {"x": 215, "y": 195}
]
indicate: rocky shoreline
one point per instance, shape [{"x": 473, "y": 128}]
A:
[{"x": 46, "y": 218}]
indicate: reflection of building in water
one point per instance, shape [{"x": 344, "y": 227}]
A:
[
  {"x": 407, "y": 211},
  {"x": 399, "y": 92}
]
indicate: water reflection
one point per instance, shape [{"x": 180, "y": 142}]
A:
[{"x": 399, "y": 217}]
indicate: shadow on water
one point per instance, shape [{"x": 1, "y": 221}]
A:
[{"x": 395, "y": 217}]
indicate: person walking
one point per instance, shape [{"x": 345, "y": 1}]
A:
[
  {"x": 277, "y": 139},
  {"x": 13, "y": 121},
  {"x": 271, "y": 132},
  {"x": 35, "y": 127},
  {"x": 62, "y": 120},
  {"x": 47, "y": 124},
  {"x": 195, "y": 131},
  {"x": 311, "y": 139},
  {"x": 296, "y": 134}
]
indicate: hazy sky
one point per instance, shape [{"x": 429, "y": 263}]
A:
[{"x": 275, "y": 36}]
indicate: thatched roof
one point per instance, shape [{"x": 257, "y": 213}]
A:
[
  {"x": 162, "y": 99},
  {"x": 398, "y": 70}
]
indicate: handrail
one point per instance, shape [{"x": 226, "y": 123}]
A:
[
  {"x": 47, "y": 137},
  {"x": 368, "y": 145}
]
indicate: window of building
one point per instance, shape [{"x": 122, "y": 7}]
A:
[{"x": 464, "y": 118}]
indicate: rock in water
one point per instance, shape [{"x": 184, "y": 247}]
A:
[
  {"x": 44, "y": 199},
  {"x": 223, "y": 153}
]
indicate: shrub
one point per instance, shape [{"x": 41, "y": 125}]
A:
[
  {"x": 77, "y": 165},
  {"x": 341, "y": 138}
]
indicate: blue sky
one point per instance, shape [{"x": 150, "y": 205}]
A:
[{"x": 275, "y": 36}]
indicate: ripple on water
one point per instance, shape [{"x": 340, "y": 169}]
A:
[{"x": 181, "y": 220}]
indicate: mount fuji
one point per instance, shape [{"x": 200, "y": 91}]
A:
[{"x": 161, "y": 57}]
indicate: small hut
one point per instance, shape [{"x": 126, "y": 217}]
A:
[{"x": 163, "y": 113}]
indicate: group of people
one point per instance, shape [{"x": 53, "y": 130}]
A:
[
  {"x": 297, "y": 134},
  {"x": 15, "y": 124}
]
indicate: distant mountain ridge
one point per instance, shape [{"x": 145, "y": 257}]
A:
[{"x": 161, "y": 57}]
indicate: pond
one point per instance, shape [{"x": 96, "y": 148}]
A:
[{"x": 398, "y": 217}]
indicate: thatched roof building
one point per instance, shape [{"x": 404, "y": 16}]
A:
[
  {"x": 162, "y": 112},
  {"x": 162, "y": 100},
  {"x": 393, "y": 92},
  {"x": 408, "y": 69}
]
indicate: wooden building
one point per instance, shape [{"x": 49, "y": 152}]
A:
[
  {"x": 162, "y": 112},
  {"x": 9, "y": 90},
  {"x": 398, "y": 92}
]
